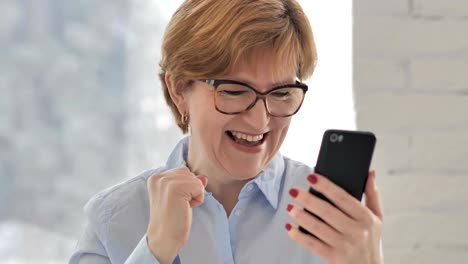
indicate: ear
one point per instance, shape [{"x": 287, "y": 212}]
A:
[{"x": 177, "y": 93}]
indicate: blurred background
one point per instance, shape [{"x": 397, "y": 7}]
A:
[
  {"x": 81, "y": 109},
  {"x": 77, "y": 114}
]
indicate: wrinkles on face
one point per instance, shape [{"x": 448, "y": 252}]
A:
[{"x": 213, "y": 151}]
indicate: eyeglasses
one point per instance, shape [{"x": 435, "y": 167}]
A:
[{"x": 233, "y": 97}]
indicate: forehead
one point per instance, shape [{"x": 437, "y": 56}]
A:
[{"x": 265, "y": 67}]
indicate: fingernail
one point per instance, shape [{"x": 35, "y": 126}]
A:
[
  {"x": 312, "y": 178},
  {"x": 290, "y": 207},
  {"x": 288, "y": 226},
  {"x": 294, "y": 192}
]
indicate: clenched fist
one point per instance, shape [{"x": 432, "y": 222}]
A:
[{"x": 172, "y": 195}]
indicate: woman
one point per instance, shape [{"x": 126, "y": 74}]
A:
[{"x": 230, "y": 71}]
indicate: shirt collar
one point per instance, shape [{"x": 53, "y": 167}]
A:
[
  {"x": 268, "y": 180},
  {"x": 178, "y": 156}
]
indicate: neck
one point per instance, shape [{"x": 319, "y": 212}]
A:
[
  {"x": 223, "y": 186},
  {"x": 226, "y": 193}
]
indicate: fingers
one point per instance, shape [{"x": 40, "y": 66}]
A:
[
  {"x": 373, "y": 201},
  {"x": 203, "y": 179},
  {"x": 180, "y": 183},
  {"x": 314, "y": 225},
  {"x": 309, "y": 242},
  {"x": 348, "y": 231},
  {"x": 329, "y": 214},
  {"x": 339, "y": 197},
  {"x": 189, "y": 189},
  {"x": 199, "y": 197}
]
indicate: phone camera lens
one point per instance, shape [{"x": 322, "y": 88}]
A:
[{"x": 334, "y": 138}]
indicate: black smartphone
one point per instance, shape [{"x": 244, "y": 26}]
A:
[{"x": 344, "y": 158}]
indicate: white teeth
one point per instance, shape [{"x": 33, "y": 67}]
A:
[{"x": 247, "y": 137}]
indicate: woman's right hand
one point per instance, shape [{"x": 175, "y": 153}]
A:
[{"x": 172, "y": 195}]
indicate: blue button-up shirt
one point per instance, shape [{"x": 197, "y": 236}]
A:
[{"x": 117, "y": 219}]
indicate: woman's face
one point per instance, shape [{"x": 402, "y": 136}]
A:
[{"x": 213, "y": 147}]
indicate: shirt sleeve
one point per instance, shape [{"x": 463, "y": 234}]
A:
[
  {"x": 91, "y": 251},
  {"x": 90, "y": 248},
  {"x": 142, "y": 254}
]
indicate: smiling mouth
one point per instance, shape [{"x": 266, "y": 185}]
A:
[{"x": 247, "y": 140}]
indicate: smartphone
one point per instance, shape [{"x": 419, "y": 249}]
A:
[{"x": 344, "y": 158}]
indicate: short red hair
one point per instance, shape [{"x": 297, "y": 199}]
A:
[{"x": 208, "y": 38}]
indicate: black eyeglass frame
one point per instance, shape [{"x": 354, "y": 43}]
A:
[{"x": 216, "y": 82}]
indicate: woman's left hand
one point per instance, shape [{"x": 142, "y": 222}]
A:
[{"x": 350, "y": 233}]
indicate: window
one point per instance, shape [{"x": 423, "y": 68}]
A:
[
  {"x": 82, "y": 109},
  {"x": 329, "y": 102}
]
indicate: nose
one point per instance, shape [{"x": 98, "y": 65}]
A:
[{"x": 257, "y": 116}]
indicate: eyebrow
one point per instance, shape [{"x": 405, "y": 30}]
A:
[{"x": 271, "y": 85}]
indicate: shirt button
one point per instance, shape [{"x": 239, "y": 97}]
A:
[
  {"x": 238, "y": 212},
  {"x": 250, "y": 187}
]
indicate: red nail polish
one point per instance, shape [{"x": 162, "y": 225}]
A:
[
  {"x": 312, "y": 179},
  {"x": 288, "y": 226},
  {"x": 293, "y": 192},
  {"x": 290, "y": 207}
]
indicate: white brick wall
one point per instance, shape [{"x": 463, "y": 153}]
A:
[
  {"x": 409, "y": 37},
  {"x": 395, "y": 7},
  {"x": 411, "y": 88},
  {"x": 440, "y": 8},
  {"x": 374, "y": 74},
  {"x": 412, "y": 112},
  {"x": 440, "y": 75}
]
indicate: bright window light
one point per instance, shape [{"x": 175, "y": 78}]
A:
[{"x": 329, "y": 101}]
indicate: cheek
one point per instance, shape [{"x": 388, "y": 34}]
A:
[
  {"x": 283, "y": 126},
  {"x": 208, "y": 125},
  {"x": 201, "y": 111}
]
